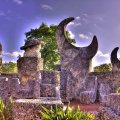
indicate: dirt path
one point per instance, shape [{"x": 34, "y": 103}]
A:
[{"x": 85, "y": 107}]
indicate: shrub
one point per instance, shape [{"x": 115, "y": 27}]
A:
[
  {"x": 6, "y": 110},
  {"x": 68, "y": 114},
  {"x": 117, "y": 90}
]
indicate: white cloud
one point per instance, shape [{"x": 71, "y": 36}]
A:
[
  {"x": 83, "y": 36},
  {"x": 71, "y": 35},
  {"x": 74, "y": 24},
  {"x": 99, "y": 53},
  {"x": 71, "y": 24},
  {"x": 13, "y": 54},
  {"x": 18, "y": 1},
  {"x": 101, "y": 58},
  {"x": 77, "y": 18},
  {"x": 9, "y": 61},
  {"x": 47, "y": 7}
]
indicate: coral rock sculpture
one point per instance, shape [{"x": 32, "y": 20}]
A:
[
  {"x": 114, "y": 60},
  {"x": 76, "y": 59}
]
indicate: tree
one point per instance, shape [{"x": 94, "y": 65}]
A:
[
  {"x": 49, "y": 51},
  {"x": 9, "y": 68},
  {"x": 103, "y": 68}
]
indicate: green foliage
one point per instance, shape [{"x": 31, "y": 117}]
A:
[
  {"x": 6, "y": 110},
  {"x": 68, "y": 114},
  {"x": 49, "y": 49},
  {"x": 9, "y": 68},
  {"x": 117, "y": 90},
  {"x": 103, "y": 68}
]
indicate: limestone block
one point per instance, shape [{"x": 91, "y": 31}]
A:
[
  {"x": 108, "y": 114},
  {"x": 30, "y": 90},
  {"x": 4, "y": 88},
  {"x": 104, "y": 91},
  {"x": 66, "y": 84},
  {"x": 28, "y": 68},
  {"x": 111, "y": 110},
  {"x": 114, "y": 102},
  {"x": 28, "y": 109},
  {"x": 47, "y": 90},
  {"x": 88, "y": 95},
  {"x": 50, "y": 77}
]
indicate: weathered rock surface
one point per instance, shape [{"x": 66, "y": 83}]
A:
[
  {"x": 89, "y": 92},
  {"x": 66, "y": 85},
  {"x": 114, "y": 60},
  {"x": 28, "y": 68},
  {"x": 104, "y": 91},
  {"x": 77, "y": 60},
  {"x": 111, "y": 110},
  {"x": 28, "y": 109}
]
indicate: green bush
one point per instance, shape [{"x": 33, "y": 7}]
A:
[
  {"x": 6, "y": 110},
  {"x": 117, "y": 90},
  {"x": 68, "y": 114}
]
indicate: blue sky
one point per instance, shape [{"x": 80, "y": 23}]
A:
[{"x": 93, "y": 17}]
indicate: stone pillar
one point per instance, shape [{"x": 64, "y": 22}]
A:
[
  {"x": 31, "y": 63},
  {"x": 66, "y": 82}
]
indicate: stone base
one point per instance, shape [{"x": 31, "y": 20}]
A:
[
  {"x": 111, "y": 109},
  {"x": 108, "y": 114},
  {"x": 28, "y": 109}
]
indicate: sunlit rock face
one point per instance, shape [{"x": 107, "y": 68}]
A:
[
  {"x": 33, "y": 52},
  {"x": 77, "y": 60},
  {"x": 28, "y": 68},
  {"x": 32, "y": 48}
]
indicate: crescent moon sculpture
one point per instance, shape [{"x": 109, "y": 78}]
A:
[
  {"x": 77, "y": 60},
  {"x": 114, "y": 60}
]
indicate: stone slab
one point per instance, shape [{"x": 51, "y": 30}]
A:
[{"x": 28, "y": 109}]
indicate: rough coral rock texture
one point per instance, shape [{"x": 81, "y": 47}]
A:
[
  {"x": 28, "y": 68},
  {"x": 32, "y": 48},
  {"x": 31, "y": 63},
  {"x": 111, "y": 110},
  {"x": 4, "y": 88},
  {"x": 110, "y": 78},
  {"x": 50, "y": 77},
  {"x": 66, "y": 91},
  {"x": 76, "y": 59},
  {"x": 114, "y": 60},
  {"x": 89, "y": 92},
  {"x": 28, "y": 91},
  {"x": 28, "y": 109},
  {"x": 104, "y": 91},
  {"x": 49, "y": 90},
  {"x": 47, "y": 86},
  {"x": 50, "y": 84}
]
